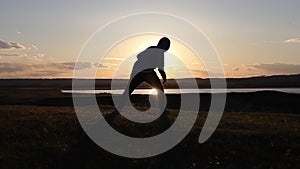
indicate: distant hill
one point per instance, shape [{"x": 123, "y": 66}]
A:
[{"x": 275, "y": 81}]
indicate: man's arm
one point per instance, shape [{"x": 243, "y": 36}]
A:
[
  {"x": 163, "y": 75},
  {"x": 160, "y": 67}
]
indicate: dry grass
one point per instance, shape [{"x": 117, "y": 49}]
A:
[{"x": 51, "y": 137}]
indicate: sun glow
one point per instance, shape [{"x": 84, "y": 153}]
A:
[
  {"x": 153, "y": 92},
  {"x": 125, "y": 52}
]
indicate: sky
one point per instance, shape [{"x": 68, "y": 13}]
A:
[{"x": 43, "y": 39}]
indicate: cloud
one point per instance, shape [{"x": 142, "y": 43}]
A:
[
  {"x": 11, "y": 67},
  {"x": 278, "y": 67},
  {"x": 43, "y": 73},
  {"x": 42, "y": 68},
  {"x": 10, "y": 45},
  {"x": 71, "y": 65},
  {"x": 104, "y": 65},
  {"x": 34, "y": 47},
  {"x": 292, "y": 40},
  {"x": 120, "y": 59},
  {"x": 38, "y": 56},
  {"x": 100, "y": 65},
  {"x": 236, "y": 69},
  {"x": 11, "y": 54}
]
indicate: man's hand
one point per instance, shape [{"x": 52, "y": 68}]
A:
[{"x": 163, "y": 75}]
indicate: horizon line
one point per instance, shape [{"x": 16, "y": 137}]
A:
[{"x": 69, "y": 78}]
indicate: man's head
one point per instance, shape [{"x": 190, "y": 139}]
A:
[{"x": 164, "y": 43}]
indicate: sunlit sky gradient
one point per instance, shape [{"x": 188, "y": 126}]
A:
[{"x": 42, "y": 39}]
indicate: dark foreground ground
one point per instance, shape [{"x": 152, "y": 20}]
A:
[{"x": 39, "y": 129}]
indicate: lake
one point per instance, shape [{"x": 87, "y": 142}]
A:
[{"x": 177, "y": 91}]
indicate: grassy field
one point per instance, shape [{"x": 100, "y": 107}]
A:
[{"x": 51, "y": 137}]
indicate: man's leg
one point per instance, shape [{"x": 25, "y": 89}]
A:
[
  {"x": 154, "y": 81},
  {"x": 132, "y": 84}
]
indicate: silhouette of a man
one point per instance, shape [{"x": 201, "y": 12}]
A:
[
  {"x": 151, "y": 58},
  {"x": 143, "y": 70}
]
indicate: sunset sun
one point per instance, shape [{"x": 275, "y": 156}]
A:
[{"x": 153, "y": 92}]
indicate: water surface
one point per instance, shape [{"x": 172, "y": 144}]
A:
[{"x": 178, "y": 91}]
